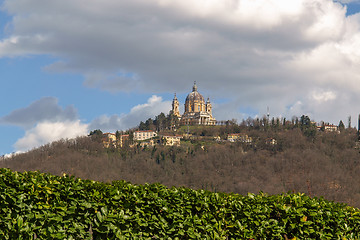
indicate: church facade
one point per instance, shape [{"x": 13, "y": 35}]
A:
[{"x": 197, "y": 111}]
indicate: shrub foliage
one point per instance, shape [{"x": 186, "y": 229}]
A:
[{"x": 37, "y": 205}]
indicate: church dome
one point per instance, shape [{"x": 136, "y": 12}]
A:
[
  {"x": 196, "y": 110},
  {"x": 195, "y": 95}
]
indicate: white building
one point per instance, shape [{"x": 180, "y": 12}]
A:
[{"x": 144, "y": 135}]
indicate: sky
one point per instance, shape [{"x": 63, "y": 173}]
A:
[{"x": 71, "y": 66}]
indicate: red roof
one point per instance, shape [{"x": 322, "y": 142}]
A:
[{"x": 109, "y": 133}]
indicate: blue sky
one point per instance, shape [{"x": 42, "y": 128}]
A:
[
  {"x": 66, "y": 69},
  {"x": 353, "y": 7}
]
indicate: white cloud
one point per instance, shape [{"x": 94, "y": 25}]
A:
[
  {"x": 256, "y": 53},
  {"x": 46, "y": 132},
  {"x": 45, "y": 121},
  {"x": 153, "y": 107},
  {"x": 323, "y": 96},
  {"x": 296, "y": 109},
  {"x": 270, "y": 13}
]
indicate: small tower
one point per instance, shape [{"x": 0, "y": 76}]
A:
[
  {"x": 208, "y": 107},
  {"x": 175, "y": 107}
]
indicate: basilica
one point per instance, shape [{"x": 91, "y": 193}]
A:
[{"x": 197, "y": 111}]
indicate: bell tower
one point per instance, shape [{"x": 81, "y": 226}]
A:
[
  {"x": 175, "y": 107},
  {"x": 208, "y": 107}
]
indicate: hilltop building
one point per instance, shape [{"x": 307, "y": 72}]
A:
[
  {"x": 197, "y": 111},
  {"x": 109, "y": 139},
  {"x": 122, "y": 139},
  {"x": 112, "y": 140},
  {"x": 240, "y": 137},
  {"x": 144, "y": 135},
  {"x": 175, "y": 107},
  {"x": 328, "y": 128}
]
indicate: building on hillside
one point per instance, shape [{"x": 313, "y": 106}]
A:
[
  {"x": 239, "y": 137},
  {"x": 149, "y": 143},
  {"x": 175, "y": 107},
  {"x": 331, "y": 128},
  {"x": 109, "y": 139},
  {"x": 197, "y": 111},
  {"x": 171, "y": 140},
  {"x": 144, "y": 135},
  {"x": 328, "y": 128},
  {"x": 122, "y": 139}
]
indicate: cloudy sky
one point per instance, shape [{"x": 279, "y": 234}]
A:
[{"x": 71, "y": 66}]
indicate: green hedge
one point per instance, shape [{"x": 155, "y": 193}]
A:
[{"x": 42, "y": 206}]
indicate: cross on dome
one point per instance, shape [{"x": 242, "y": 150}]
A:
[{"x": 194, "y": 87}]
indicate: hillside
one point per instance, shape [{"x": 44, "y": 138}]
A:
[
  {"x": 326, "y": 164},
  {"x": 42, "y": 206}
]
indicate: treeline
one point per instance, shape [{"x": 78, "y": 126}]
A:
[
  {"x": 325, "y": 164},
  {"x": 266, "y": 124},
  {"x": 161, "y": 122},
  {"x": 260, "y": 129},
  {"x": 164, "y": 122}
]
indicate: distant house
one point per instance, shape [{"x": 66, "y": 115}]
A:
[
  {"x": 109, "y": 139},
  {"x": 171, "y": 140},
  {"x": 144, "y": 135},
  {"x": 239, "y": 137},
  {"x": 122, "y": 139},
  {"x": 328, "y": 128},
  {"x": 331, "y": 128}
]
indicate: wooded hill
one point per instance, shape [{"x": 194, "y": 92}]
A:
[{"x": 303, "y": 160}]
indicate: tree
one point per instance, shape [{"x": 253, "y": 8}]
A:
[
  {"x": 131, "y": 137},
  {"x": 307, "y": 127},
  {"x": 277, "y": 123},
  {"x": 273, "y": 122},
  {"x": 305, "y": 121},
  {"x": 160, "y": 122},
  {"x": 96, "y": 135},
  {"x": 322, "y": 128},
  {"x": 118, "y": 134},
  {"x": 142, "y": 126},
  {"x": 96, "y": 132},
  {"x": 149, "y": 124},
  {"x": 172, "y": 121},
  {"x": 341, "y": 126}
]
